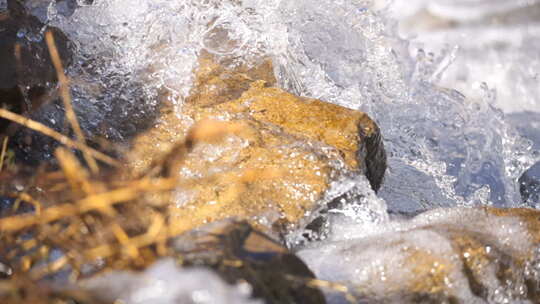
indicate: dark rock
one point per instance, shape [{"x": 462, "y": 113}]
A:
[
  {"x": 529, "y": 186},
  {"x": 27, "y": 77},
  {"x": 6, "y": 205},
  {"x": 5, "y": 270},
  {"x": 28, "y": 86},
  {"x": 239, "y": 253},
  {"x": 375, "y": 158},
  {"x": 24, "y": 56}
]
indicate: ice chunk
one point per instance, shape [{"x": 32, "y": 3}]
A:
[
  {"x": 471, "y": 255},
  {"x": 166, "y": 283}
]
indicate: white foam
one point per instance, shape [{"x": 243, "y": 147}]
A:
[
  {"x": 380, "y": 265},
  {"x": 166, "y": 283}
]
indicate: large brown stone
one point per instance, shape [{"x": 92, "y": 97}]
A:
[{"x": 276, "y": 162}]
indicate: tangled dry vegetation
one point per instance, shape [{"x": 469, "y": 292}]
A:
[
  {"x": 94, "y": 214},
  {"x": 98, "y": 217}
]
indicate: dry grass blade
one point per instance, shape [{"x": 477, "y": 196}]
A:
[
  {"x": 90, "y": 203},
  {"x": 122, "y": 237},
  {"x": 36, "y": 126},
  {"x": 29, "y": 199},
  {"x": 77, "y": 176},
  {"x": 155, "y": 233},
  {"x": 328, "y": 285},
  {"x": 3, "y": 154},
  {"x": 66, "y": 98},
  {"x": 55, "y": 266}
]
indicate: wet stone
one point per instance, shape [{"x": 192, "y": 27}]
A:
[
  {"x": 275, "y": 167},
  {"x": 238, "y": 253},
  {"x": 27, "y": 71},
  {"x": 27, "y": 77},
  {"x": 28, "y": 86}
]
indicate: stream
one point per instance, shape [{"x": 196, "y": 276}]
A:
[{"x": 452, "y": 84}]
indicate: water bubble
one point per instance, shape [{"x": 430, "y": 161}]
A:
[
  {"x": 22, "y": 33},
  {"x": 52, "y": 11}
]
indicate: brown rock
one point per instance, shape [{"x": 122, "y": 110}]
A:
[
  {"x": 276, "y": 162},
  {"x": 215, "y": 84}
]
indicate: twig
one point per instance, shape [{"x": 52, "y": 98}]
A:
[
  {"x": 66, "y": 98},
  {"x": 124, "y": 240},
  {"x": 77, "y": 176},
  {"x": 3, "y": 155},
  {"x": 29, "y": 199},
  {"x": 36, "y": 126},
  {"x": 156, "y": 232},
  {"x": 324, "y": 284},
  {"x": 40, "y": 272},
  {"x": 93, "y": 202}
]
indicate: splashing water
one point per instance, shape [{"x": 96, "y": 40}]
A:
[
  {"x": 445, "y": 148},
  {"x": 461, "y": 147}
]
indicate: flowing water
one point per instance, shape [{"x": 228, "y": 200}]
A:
[{"x": 441, "y": 79}]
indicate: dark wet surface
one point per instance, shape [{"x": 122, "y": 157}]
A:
[{"x": 237, "y": 252}]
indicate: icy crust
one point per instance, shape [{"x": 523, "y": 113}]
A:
[
  {"x": 465, "y": 255},
  {"x": 166, "y": 283}
]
